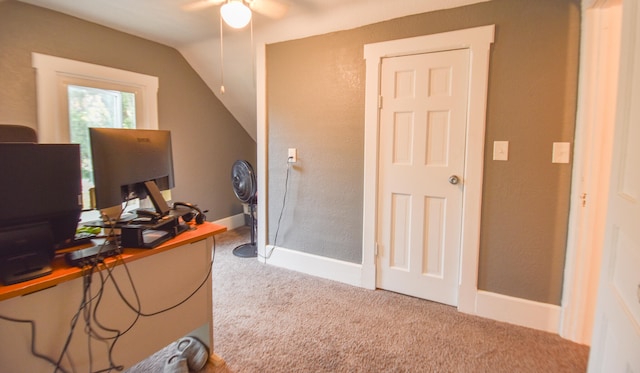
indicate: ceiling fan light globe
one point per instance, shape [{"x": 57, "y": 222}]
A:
[{"x": 235, "y": 14}]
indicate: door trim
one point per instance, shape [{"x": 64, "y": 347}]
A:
[
  {"x": 478, "y": 40},
  {"x": 599, "y": 60}
]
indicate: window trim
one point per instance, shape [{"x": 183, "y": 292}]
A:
[{"x": 54, "y": 74}]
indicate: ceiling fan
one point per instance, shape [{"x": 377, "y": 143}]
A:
[{"x": 237, "y": 13}]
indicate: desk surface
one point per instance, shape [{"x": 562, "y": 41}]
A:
[{"x": 63, "y": 272}]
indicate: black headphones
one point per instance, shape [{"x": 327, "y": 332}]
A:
[{"x": 194, "y": 213}]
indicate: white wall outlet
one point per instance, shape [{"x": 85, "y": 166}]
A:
[
  {"x": 501, "y": 150},
  {"x": 292, "y": 155},
  {"x": 561, "y": 152}
]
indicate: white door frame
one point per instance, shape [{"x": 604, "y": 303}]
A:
[
  {"x": 599, "y": 60},
  {"x": 478, "y": 40},
  {"x": 616, "y": 331}
]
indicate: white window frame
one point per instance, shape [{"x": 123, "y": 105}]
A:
[{"x": 54, "y": 74}]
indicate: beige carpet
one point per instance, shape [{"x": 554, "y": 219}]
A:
[{"x": 269, "y": 319}]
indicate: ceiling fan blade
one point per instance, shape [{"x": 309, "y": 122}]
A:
[
  {"x": 270, "y": 8},
  {"x": 200, "y": 4}
]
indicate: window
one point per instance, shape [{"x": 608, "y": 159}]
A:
[
  {"x": 96, "y": 107},
  {"x": 73, "y": 96}
]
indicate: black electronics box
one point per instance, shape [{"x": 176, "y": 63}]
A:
[
  {"x": 91, "y": 255},
  {"x": 149, "y": 235}
]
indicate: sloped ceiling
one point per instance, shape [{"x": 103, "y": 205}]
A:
[{"x": 193, "y": 28}]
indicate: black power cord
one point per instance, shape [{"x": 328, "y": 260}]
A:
[
  {"x": 32, "y": 325},
  {"x": 89, "y": 312},
  {"x": 138, "y": 310}
]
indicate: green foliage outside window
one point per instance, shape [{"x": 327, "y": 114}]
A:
[{"x": 94, "y": 107}]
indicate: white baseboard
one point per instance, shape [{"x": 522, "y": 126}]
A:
[
  {"x": 518, "y": 311},
  {"x": 231, "y": 222},
  {"x": 319, "y": 266}
]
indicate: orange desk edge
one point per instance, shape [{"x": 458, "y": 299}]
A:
[{"x": 63, "y": 272}]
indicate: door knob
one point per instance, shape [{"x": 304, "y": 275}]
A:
[{"x": 453, "y": 179}]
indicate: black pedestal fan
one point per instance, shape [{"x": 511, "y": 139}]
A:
[{"x": 243, "y": 180}]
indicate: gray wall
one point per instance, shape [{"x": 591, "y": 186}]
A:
[
  {"x": 206, "y": 138},
  {"x": 315, "y": 98}
]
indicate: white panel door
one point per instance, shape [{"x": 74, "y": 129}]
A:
[
  {"x": 423, "y": 119},
  {"x": 616, "y": 334}
]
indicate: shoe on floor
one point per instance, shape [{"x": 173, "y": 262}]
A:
[
  {"x": 194, "y": 351},
  {"x": 176, "y": 364}
]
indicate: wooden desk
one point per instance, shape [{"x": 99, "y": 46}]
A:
[{"x": 163, "y": 277}]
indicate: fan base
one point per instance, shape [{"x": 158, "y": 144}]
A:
[{"x": 247, "y": 250}]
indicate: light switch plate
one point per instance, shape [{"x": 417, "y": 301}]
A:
[
  {"x": 500, "y": 150},
  {"x": 561, "y": 152}
]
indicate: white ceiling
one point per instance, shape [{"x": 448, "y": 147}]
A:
[
  {"x": 172, "y": 22},
  {"x": 195, "y": 32}
]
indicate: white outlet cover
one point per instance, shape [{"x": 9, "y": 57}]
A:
[
  {"x": 501, "y": 150},
  {"x": 561, "y": 152},
  {"x": 292, "y": 155}
]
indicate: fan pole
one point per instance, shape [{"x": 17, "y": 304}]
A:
[
  {"x": 243, "y": 181},
  {"x": 249, "y": 250}
]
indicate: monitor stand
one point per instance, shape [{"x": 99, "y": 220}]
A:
[
  {"x": 161, "y": 206},
  {"x": 111, "y": 223}
]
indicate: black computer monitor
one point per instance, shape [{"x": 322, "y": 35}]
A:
[
  {"x": 40, "y": 206},
  {"x": 131, "y": 163}
]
